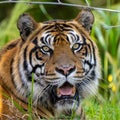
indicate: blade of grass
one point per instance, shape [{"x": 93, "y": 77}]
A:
[
  {"x": 30, "y": 99},
  {"x": 42, "y": 8}
]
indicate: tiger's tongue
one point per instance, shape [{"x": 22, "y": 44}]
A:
[{"x": 66, "y": 91}]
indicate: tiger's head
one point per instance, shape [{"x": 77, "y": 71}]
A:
[{"x": 62, "y": 59}]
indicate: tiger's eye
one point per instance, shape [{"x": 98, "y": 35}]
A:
[
  {"x": 45, "y": 48},
  {"x": 76, "y": 46}
]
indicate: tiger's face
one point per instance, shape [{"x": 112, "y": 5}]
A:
[{"x": 63, "y": 60}]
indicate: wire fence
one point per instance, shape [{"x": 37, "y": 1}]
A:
[{"x": 59, "y": 2}]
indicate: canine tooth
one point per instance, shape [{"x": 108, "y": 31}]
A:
[
  {"x": 73, "y": 91},
  {"x": 58, "y": 92}
]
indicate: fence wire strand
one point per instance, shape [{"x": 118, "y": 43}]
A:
[{"x": 59, "y": 2}]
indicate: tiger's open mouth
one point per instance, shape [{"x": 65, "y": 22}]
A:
[{"x": 67, "y": 93}]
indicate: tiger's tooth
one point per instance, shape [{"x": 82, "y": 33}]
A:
[
  {"x": 73, "y": 91},
  {"x": 58, "y": 92}
]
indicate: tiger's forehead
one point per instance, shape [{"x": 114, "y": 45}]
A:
[
  {"x": 53, "y": 31},
  {"x": 56, "y": 27}
]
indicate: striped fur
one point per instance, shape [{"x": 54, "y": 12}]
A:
[{"x": 62, "y": 59}]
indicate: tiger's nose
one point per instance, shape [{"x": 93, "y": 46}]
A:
[{"x": 65, "y": 69}]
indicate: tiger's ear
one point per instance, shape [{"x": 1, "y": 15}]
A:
[
  {"x": 86, "y": 19},
  {"x": 26, "y": 24}
]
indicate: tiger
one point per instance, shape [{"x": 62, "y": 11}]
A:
[{"x": 56, "y": 61}]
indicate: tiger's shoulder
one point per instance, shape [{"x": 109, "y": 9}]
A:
[
  {"x": 6, "y": 55},
  {"x": 8, "y": 47}
]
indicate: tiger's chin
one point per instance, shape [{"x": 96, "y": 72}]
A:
[
  {"x": 65, "y": 107},
  {"x": 65, "y": 99}
]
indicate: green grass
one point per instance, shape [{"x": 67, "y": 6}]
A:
[
  {"x": 108, "y": 41},
  {"x": 101, "y": 111},
  {"x": 8, "y": 27}
]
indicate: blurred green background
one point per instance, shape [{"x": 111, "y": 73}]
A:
[{"x": 107, "y": 38}]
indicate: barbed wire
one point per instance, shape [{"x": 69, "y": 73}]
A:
[{"x": 59, "y": 2}]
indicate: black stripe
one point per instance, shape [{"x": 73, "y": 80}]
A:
[
  {"x": 12, "y": 45},
  {"x": 37, "y": 66},
  {"x": 93, "y": 52},
  {"x": 88, "y": 45},
  {"x": 87, "y": 62},
  {"x": 46, "y": 38},
  {"x": 86, "y": 51},
  {"x": 25, "y": 65},
  {"x": 11, "y": 73},
  {"x": 66, "y": 25},
  {"x": 35, "y": 41},
  {"x": 73, "y": 35},
  {"x": 90, "y": 65},
  {"x": 42, "y": 40},
  {"x": 30, "y": 55},
  {"x": 77, "y": 38},
  {"x": 48, "y": 27},
  {"x": 84, "y": 39},
  {"x": 52, "y": 74},
  {"x": 37, "y": 56},
  {"x": 29, "y": 77},
  {"x": 92, "y": 75}
]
